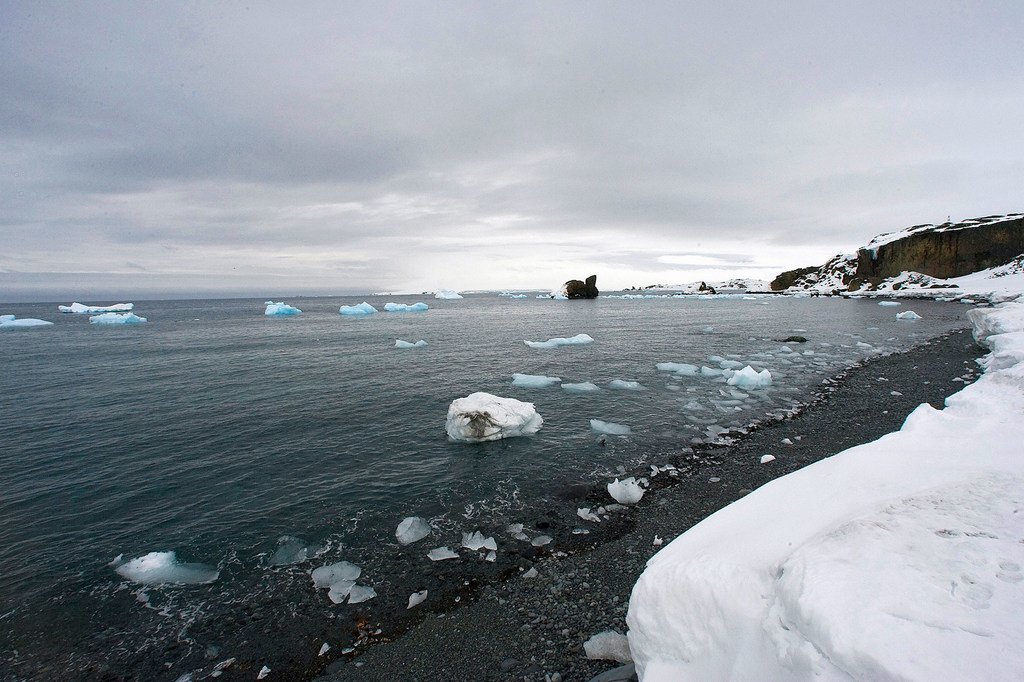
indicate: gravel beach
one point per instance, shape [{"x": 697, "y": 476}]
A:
[{"x": 525, "y": 628}]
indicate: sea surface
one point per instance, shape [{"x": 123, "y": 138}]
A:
[{"x": 214, "y": 431}]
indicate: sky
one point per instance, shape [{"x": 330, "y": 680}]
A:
[{"x": 344, "y": 147}]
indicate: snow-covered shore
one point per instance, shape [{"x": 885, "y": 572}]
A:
[{"x": 897, "y": 559}]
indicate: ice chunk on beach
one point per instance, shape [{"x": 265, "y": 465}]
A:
[
  {"x": 609, "y": 428},
  {"x": 582, "y": 387},
  {"x": 476, "y": 541},
  {"x": 412, "y": 529},
  {"x": 11, "y": 322},
  {"x": 750, "y": 379},
  {"x": 680, "y": 368},
  {"x": 587, "y": 515},
  {"x": 293, "y": 550},
  {"x": 889, "y": 303},
  {"x": 447, "y": 294},
  {"x": 441, "y": 553},
  {"x": 541, "y": 541},
  {"x": 363, "y": 308},
  {"x": 908, "y": 315},
  {"x": 324, "y": 649},
  {"x": 340, "y": 590},
  {"x": 416, "y": 598},
  {"x": 405, "y": 307},
  {"x": 264, "y": 671},
  {"x": 399, "y": 343},
  {"x": 325, "y": 576},
  {"x": 608, "y": 646},
  {"x": 93, "y": 309},
  {"x": 626, "y": 491},
  {"x": 483, "y": 417},
  {"x": 578, "y": 340},
  {"x": 361, "y": 593},
  {"x": 158, "y": 568},
  {"x": 281, "y": 309},
  {"x": 534, "y": 380},
  {"x": 116, "y": 318},
  {"x": 625, "y": 385},
  {"x": 767, "y": 458}
]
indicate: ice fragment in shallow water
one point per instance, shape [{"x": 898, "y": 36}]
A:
[
  {"x": 324, "y": 649},
  {"x": 681, "y": 368},
  {"x": 578, "y": 340},
  {"x": 624, "y": 385},
  {"x": 587, "y": 515},
  {"x": 482, "y": 417},
  {"x": 541, "y": 540},
  {"x": 399, "y": 343},
  {"x": 441, "y": 553},
  {"x": 609, "y": 428},
  {"x": 608, "y": 646},
  {"x": 626, "y": 491},
  {"x": 405, "y": 307},
  {"x": 264, "y": 671},
  {"x": 749, "y": 379},
  {"x": 475, "y": 540},
  {"x": 340, "y": 590},
  {"x": 280, "y": 309},
  {"x": 416, "y": 598},
  {"x": 534, "y": 380},
  {"x": 325, "y": 576},
  {"x": 889, "y": 303},
  {"x": 412, "y": 529},
  {"x": 908, "y": 315},
  {"x": 582, "y": 387},
  {"x": 532, "y": 573},
  {"x": 10, "y": 322},
  {"x": 361, "y": 593},
  {"x": 767, "y": 458},
  {"x": 363, "y": 308},
  {"x": 158, "y": 568},
  {"x": 117, "y": 318},
  {"x": 292, "y": 550}
]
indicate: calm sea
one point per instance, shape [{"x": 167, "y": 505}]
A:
[{"x": 213, "y": 431}]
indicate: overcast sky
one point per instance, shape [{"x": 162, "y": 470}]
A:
[{"x": 278, "y": 148}]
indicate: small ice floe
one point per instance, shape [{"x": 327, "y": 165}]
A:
[
  {"x": 680, "y": 368},
  {"x": 280, "y": 309},
  {"x": 908, "y": 315},
  {"x": 626, "y": 491},
  {"x": 786, "y": 441},
  {"x": 11, "y": 322},
  {"x": 625, "y": 385},
  {"x": 324, "y": 649},
  {"x": 363, "y": 308},
  {"x": 293, "y": 550},
  {"x": 264, "y": 671},
  {"x": 117, "y": 318},
  {"x": 93, "y": 309},
  {"x": 476, "y": 541},
  {"x": 609, "y": 428},
  {"x": 581, "y": 387},
  {"x": 483, "y": 417},
  {"x": 405, "y": 307},
  {"x": 861, "y": 344},
  {"x": 541, "y": 541},
  {"x": 412, "y": 529},
  {"x": 447, "y": 294},
  {"x": 534, "y": 380},
  {"x": 399, "y": 343},
  {"x": 608, "y": 646},
  {"x": 361, "y": 593},
  {"x": 492, "y": 556},
  {"x": 532, "y": 573},
  {"x": 895, "y": 393},
  {"x": 710, "y": 372},
  {"x": 578, "y": 340},
  {"x": 340, "y": 590},
  {"x": 657, "y": 541},
  {"x": 730, "y": 364},
  {"x": 441, "y": 553},
  {"x": 587, "y": 515},
  {"x": 767, "y": 458},
  {"x": 710, "y": 329},
  {"x": 516, "y": 531},
  {"x": 750, "y": 379},
  {"x": 889, "y": 303},
  {"x": 331, "y": 574},
  {"x": 416, "y": 598},
  {"x": 159, "y": 568}
]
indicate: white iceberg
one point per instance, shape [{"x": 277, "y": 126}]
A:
[
  {"x": 582, "y": 387},
  {"x": 534, "y": 380},
  {"x": 441, "y": 553},
  {"x": 416, "y": 598},
  {"x": 363, "y": 308},
  {"x": 399, "y": 343},
  {"x": 483, "y": 417},
  {"x": 412, "y": 529},
  {"x": 750, "y": 379},
  {"x": 280, "y": 309},
  {"x": 93, "y": 309},
  {"x": 11, "y": 322},
  {"x": 159, "y": 568},
  {"x": 116, "y": 318},
  {"x": 609, "y": 428},
  {"x": 445, "y": 293},
  {"x": 908, "y": 315},
  {"x": 626, "y": 491},
  {"x": 578, "y": 340},
  {"x": 624, "y": 385},
  {"x": 328, "y": 575},
  {"x": 405, "y": 307},
  {"x": 681, "y": 368}
]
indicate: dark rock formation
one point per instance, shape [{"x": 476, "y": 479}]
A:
[
  {"x": 795, "y": 339},
  {"x": 705, "y": 288},
  {"x": 577, "y": 289},
  {"x": 786, "y": 279}
]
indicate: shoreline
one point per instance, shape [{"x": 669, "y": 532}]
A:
[{"x": 521, "y": 628}]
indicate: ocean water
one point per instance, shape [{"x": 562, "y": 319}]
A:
[{"x": 213, "y": 431}]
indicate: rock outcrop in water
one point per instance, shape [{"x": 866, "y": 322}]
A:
[{"x": 574, "y": 288}]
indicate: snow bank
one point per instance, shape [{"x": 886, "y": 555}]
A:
[
  {"x": 534, "y": 380},
  {"x": 399, "y": 343},
  {"x": 117, "y": 318},
  {"x": 405, "y": 307},
  {"x": 481, "y": 417},
  {"x": 750, "y": 379},
  {"x": 363, "y": 308},
  {"x": 280, "y": 309},
  {"x": 609, "y": 428},
  {"x": 158, "y": 568},
  {"x": 578, "y": 340},
  {"x": 897, "y": 559},
  {"x": 93, "y": 309},
  {"x": 11, "y": 322},
  {"x": 445, "y": 293}
]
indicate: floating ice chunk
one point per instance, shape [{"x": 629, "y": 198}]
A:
[
  {"x": 340, "y": 590},
  {"x": 578, "y": 340},
  {"x": 324, "y": 649},
  {"x": 582, "y": 387},
  {"x": 417, "y": 598},
  {"x": 861, "y": 344},
  {"x": 405, "y": 307},
  {"x": 680, "y": 368},
  {"x": 609, "y": 428},
  {"x": 908, "y": 315},
  {"x": 710, "y": 329},
  {"x": 767, "y": 458},
  {"x": 116, "y": 318},
  {"x": 626, "y": 491},
  {"x": 93, "y": 309},
  {"x": 264, "y": 671},
  {"x": 541, "y": 540},
  {"x": 694, "y": 406},
  {"x": 280, "y": 309},
  {"x": 750, "y": 379},
  {"x": 889, "y": 303},
  {"x": 534, "y": 380},
  {"x": 710, "y": 372},
  {"x": 441, "y": 553},
  {"x": 447, "y": 293},
  {"x": 516, "y": 531},
  {"x": 483, "y": 417},
  {"x": 412, "y": 529},
  {"x": 158, "y": 568},
  {"x": 325, "y": 576},
  {"x": 293, "y": 550},
  {"x": 476, "y": 541},
  {"x": 624, "y": 385},
  {"x": 730, "y": 364},
  {"x": 363, "y": 308},
  {"x": 787, "y": 441},
  {"x": 587, "y": 515},
  {"x": 361, "y": 593},
  {"x": 399, "y": 343},
  {"x": 10, "y": 322},
  {"x": 608, "y": 646}
]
